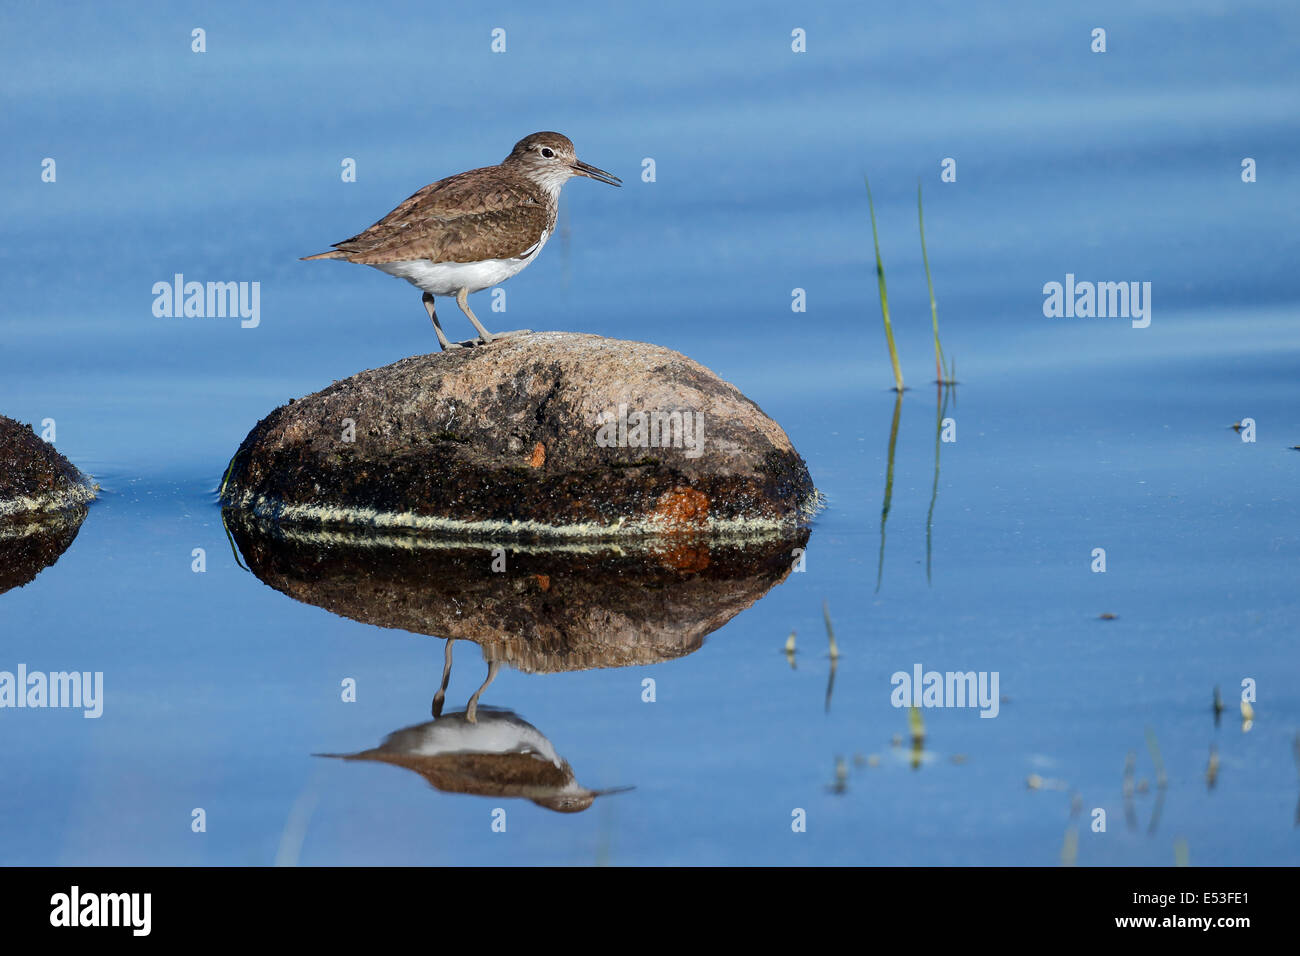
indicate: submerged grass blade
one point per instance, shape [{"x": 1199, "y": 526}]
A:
[
  {"x": 889, "y": 487},
  {"x": 835, "y": 655},
  {"x": 884, "y": 296},
  {"x": 941, "y": 410},
  {"x": 830, "y": 631},
  {"x": 943, "y": 375},
  {"x": 230, "y": 540}
]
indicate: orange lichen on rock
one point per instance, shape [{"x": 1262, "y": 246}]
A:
[
  {"x": 682, "y": 509},
  {"x": 687, "y": 554}
]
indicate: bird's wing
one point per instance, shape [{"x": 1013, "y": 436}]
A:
[{"x": 464, "y": 218}]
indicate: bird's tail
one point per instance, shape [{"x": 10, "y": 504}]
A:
[{"x": 332, "y": 254}]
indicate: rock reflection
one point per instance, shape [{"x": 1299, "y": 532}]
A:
[
  {"x": 539, "y": 609},
  {"x": 543, "y": 609},
  {"x": 29, "y": 545}
]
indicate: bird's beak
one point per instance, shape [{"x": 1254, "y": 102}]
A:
[
  {"x": 611, "y": 790},
  {"x": 591, "y": 172}
]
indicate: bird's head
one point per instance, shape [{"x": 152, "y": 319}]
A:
[{"x": 550, "y": 159}]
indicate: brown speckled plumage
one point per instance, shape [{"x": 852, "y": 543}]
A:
[
  {"x": 482, "y": 214},
  {"x": 496, "y": 212}
]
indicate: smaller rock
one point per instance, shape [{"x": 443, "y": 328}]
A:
[{"x": 34, "y": 478}]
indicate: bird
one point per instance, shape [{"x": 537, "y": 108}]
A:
[
  {"x": 495, "y": 754},
  {"x": 473, "y": 230}
]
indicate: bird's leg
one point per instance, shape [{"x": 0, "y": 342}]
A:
[
  {"x": 462, "y": 300},
  {"x": 443, "y": 341},
  {"x": 441, "y": 695},
  {"x": 471, "y": 712}
]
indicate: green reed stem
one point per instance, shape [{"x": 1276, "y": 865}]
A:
[
  {"x": 941, "y": 374},
  {"x": 884, "y": 296}
]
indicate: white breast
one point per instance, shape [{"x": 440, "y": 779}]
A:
[
  {"x": 495, "y": 733},
  {"x": 448, "y": 278}
]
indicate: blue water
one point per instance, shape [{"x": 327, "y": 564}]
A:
[{"x": 1072, "y": 434}]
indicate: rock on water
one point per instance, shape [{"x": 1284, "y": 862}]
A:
[
  {"x": 545, "y": 434},
  {"x": 34, "y": 478}
]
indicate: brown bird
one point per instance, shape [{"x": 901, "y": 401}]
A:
[
  {"x": 498, "y": 754},
  {"x": 473, "y": 230}
]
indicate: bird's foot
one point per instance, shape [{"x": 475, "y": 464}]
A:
[
  {"x": 480, "y": 343},
  {"x": 498, "y": 336}
]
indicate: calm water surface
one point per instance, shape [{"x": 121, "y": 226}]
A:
[{"x": 1071, "y": 434}]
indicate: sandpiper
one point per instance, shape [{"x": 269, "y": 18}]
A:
[
  {"x": 473, "y": 230},
  {"x": 499, "y": 754}
]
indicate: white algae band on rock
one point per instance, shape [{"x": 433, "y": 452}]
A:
[
  {"x": 548, "y": 434},
  {"x": 34, "y": 478}
]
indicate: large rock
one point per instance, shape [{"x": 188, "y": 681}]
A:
[
  {"x": 34, "y": 478},
  {"x": 541, "y": 435}
]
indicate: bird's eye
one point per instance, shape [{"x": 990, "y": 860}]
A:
[{"x": 548, "y": 152}]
